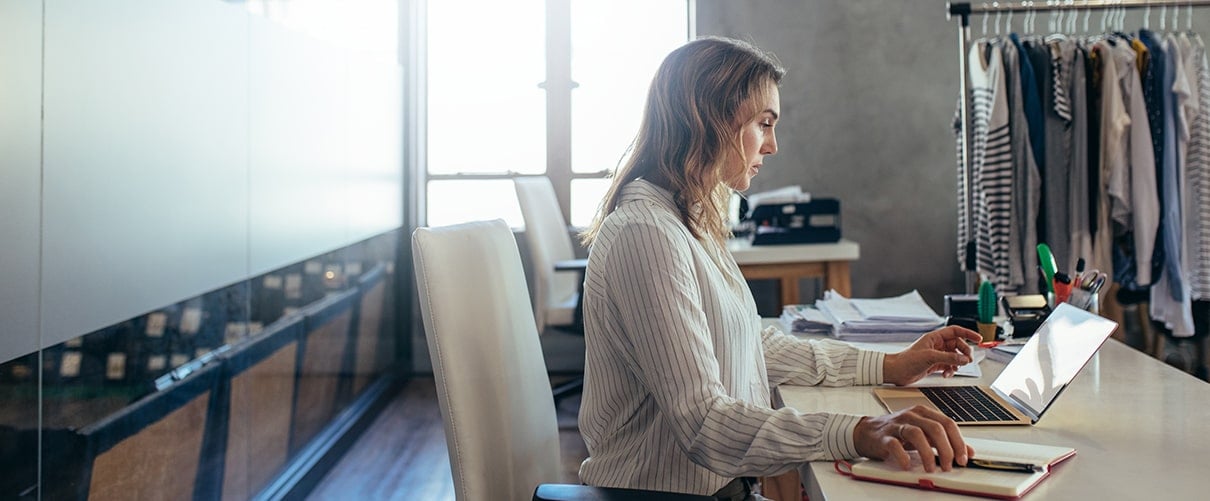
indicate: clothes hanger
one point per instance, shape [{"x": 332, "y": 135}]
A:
[
  {"x": 1071, "y": 21},
  {"x": 1050, "y": 18},
  {"x": 1189, "y": 18},
  {"x": 1088, "y": 12},
  {"x": 996, "y": 5},
  {"x": 984, "y": 19}
]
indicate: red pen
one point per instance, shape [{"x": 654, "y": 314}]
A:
[{"x": 1062, "y": 287}]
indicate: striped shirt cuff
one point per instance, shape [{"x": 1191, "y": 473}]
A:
[
  {"x": 838, "y": 434},
  {"x": 869, "y": 367}
]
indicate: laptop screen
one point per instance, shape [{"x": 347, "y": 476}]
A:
[{"x": 1052, "y": 357}]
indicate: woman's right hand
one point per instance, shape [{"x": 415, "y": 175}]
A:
[{"x": 889, "y": 437}]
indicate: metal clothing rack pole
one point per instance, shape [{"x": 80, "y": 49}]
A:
[
  {"x": 968, "y": 8},
  {"x": 964, "y": 10}
]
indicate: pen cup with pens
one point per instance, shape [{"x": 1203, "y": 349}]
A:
[{"x": 1080, "y": 290}]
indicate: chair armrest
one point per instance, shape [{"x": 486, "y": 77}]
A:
[
  {"x": 572, "y": 265},
  {"x": 569, "y": 492}
]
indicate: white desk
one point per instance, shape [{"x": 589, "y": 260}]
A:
[
  {"x": 1141, "y": 429},
  {"x": 789, "y": 263}
]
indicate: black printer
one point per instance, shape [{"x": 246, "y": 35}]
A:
[{"x": 812, "y": 222}]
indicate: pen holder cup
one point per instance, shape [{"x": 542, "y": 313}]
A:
[
  {"x": 1086, "y": 300},
  {"x": 988, "y": 331}
]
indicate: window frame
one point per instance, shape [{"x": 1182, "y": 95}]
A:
[{"x": 558, "y": 86}]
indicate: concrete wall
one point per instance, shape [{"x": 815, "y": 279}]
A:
[{"x": 866, "y": 110}]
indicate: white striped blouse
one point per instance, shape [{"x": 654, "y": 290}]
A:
[{"x": 678, "y": 370}]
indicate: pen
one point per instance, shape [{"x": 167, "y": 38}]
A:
[
  {"x": 1046, "y": 280},
  {"x": 1046, "y": 260},
  {"x": 992, "y": 464},
  {"x": 1062, "y": 287}
]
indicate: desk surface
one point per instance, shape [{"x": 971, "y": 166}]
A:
[
  {"x": 746, "y": 253},
  {"x": 1140, "y": 427}
]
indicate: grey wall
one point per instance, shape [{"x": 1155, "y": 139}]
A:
[
  {"x": 152, "y": 151},
  {"x": 866, "y": 110}
]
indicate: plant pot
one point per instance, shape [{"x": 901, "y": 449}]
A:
[{"x": 988, "y": 331}]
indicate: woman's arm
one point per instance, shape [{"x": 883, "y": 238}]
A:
[{"x": 790, "y": 360}]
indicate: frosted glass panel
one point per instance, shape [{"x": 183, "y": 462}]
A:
[
  {"x": 374, "y": 157},
  {"x": 20, "y": 128},
  {"x": 453, "y": 202},
  {"x": 299, "y": 139},
  {"x": 614, "y": 71},
  {"x": 586, "y": 195},
  {"x": 145, "y": 160},
  {"x": 486, "y": 112}
]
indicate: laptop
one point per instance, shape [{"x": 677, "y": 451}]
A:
[{"x": 1029, "y": 384}]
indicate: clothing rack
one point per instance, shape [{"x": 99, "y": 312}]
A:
[{"x": 964, "y": 10}]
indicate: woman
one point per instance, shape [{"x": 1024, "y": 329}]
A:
[{"x": 678, "y": 370}]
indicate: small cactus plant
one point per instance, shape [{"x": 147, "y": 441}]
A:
[{"x": 987, "y": 302}]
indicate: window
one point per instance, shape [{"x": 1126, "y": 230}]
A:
[{"x": 535, "y": 87}]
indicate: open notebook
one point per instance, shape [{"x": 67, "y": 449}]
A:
[{"x": 970, "y": 481}]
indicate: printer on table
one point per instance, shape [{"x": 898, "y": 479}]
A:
[{"x": 789, "y": 216}]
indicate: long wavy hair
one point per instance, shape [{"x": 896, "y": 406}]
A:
[{"x": 701, "y": 96}]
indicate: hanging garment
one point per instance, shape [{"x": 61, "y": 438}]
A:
[
  {"x": 1078, "y": 230},
  {"x": 1098, "y": 222},
  {"x": 1053, "y": 214},
  {"x": 982, "y": 96},
  {"x": 1138, "y": 244},
  {"x": 1114, "y": 162},
  {"x": 993, "y": 171},
  {"x": 1023, "y": 229},
  {"x": 1170, "y": 303},
  {"x": 1157, "y": 85},
  {"x": 1185, "y": 90},
  {"x": 1101, "y": 257},
  {"x": 1199, "y": 171},
  {"x": 1033, "y": 102}
]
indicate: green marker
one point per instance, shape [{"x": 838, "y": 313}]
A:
[{"x": 1047, "y": 261}]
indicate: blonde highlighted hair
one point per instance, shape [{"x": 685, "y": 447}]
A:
[{"x": 702, "y": 94}]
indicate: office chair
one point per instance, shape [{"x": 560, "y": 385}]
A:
[
  {"x": 558, "y": 275},
  {"x": 495, "y": 399}
]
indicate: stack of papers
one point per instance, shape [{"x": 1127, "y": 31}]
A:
[
  {"x": 1004, "y": 352},
  {"x": 806, "y": 319},
  {"x": 893, "y": 319},
  {"x": 787, "y": 195}
]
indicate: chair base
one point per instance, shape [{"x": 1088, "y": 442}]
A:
[{"x": 569, "y": 492}]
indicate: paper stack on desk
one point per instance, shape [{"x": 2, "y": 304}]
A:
[
  {"x": 900, "y": 318},
  {"x": 806, "y": 319}
]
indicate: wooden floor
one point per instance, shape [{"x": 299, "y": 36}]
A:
[{"x": 402, "y": 455}]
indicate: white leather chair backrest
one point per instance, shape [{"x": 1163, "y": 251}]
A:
[
  {"x": 492, "y": 385},
  {"x": 549, "y": 242}
]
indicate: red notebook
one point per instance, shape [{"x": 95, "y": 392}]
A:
[{"x": 970, "y": 481}]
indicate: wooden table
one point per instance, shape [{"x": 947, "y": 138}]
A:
[
  {"x": 789, "y": 263},
  {"x": 1138, "y": 425}
]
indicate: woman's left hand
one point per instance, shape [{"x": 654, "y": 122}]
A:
[{"x": 942, "y": 350}]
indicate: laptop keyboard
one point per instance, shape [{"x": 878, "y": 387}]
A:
[{"x": 966, "y": 404}]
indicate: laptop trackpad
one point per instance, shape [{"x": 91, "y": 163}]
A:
[{"x": 897, "y": 399}]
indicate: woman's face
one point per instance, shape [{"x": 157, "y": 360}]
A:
[{"x": 758, "y": 138}]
